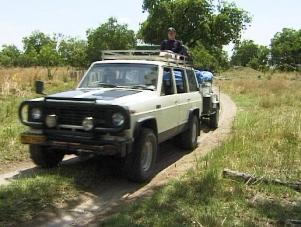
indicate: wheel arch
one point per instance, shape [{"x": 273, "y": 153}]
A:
[{"x": 148, "y": 122}]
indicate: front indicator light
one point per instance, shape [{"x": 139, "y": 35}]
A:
[
  {"x": 88, "y": 123},
  {"x": 51, "y": 121}
]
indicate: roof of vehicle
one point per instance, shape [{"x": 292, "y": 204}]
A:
[
  {"x": 155, "y": 57},
  {"x": 149, "y": 62}
]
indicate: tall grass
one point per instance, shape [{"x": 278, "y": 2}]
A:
[
  {"x": 20, "y": 81},
  {"x": 266, "y": 141},
  {"x": 269, "y": 127},
  {"x": 16, "y": 85}
]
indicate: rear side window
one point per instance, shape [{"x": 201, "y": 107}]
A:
[
  {"x": 167, "y": 84},
  {"x": 180, "y": 81},
  {"x": 192, "y": 82}
]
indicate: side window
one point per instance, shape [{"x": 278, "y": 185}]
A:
[
  {"x": 180, "y": 80},
  {"x": 193, "y": 85},
  {"x": 167, "y": 84}
]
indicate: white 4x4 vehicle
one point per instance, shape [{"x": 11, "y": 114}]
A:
[{"x": 122, "y": 108}]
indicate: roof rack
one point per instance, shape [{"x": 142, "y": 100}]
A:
[{"x": 148, "y": 55}]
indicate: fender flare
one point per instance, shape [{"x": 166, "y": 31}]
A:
[{"x": 139, "y": 124}]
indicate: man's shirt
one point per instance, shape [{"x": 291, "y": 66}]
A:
[{"x": 173, "y": 45}]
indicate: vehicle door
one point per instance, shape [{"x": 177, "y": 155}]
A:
[
  {"x": 182, "y": 95},
  {"x": 168, "y": 117},
  {"x": 194, "y": 94}
]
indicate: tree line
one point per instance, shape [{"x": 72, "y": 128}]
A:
[
  {"x": 40, "y": 49},
  {"x": 204, "y": 26},
  {"x": 284, "y": 52}
]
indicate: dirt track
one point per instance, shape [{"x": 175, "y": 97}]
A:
[{"x": 104, "y": 198}]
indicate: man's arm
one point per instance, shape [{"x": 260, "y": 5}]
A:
[
  {"x": 178, "y": 47},
  {"x": 163, "y": 45}
]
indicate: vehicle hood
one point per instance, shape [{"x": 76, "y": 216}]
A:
[
  {"x": 103, "y": 94},
  {"x": 113, "y": 96}
]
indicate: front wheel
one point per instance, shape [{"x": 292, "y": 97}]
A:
[
  {"x": 45, "y": 157},
  {"x": 140, "y": 163}
]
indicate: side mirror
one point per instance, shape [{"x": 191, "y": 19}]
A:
[{"x": 39, "y": 86}]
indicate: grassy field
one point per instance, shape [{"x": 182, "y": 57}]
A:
[
  {"x": 265, "y": 141},
  {"x": 16, "y": 85},
  {"x": 47, "y": 190}
]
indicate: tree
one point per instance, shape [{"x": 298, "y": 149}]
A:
[
  {"x": 40, "y": 49},
  {"x": 109, "y": 35},
  {"x": 196, "y": 21},
  {"x": 247, "y": 53},
  {"x": 286, "y": 49},
  {"x": 261, "y": 62},
  {"x": 149, "y": 5},
  {"x": 31, "y": 58},
  {"x": 48, "y": 58},
  {"x": 36, "y": 41},
  {"x": 202, "y": 26},
  {"x": 203, "y": 59},
  {"x": 9, "y": 56},
  {"x": 214, "y": 59},
  {"x": 73, "y": 52},
  {"x": 185, "y": 15},
  {"x": 244, "y": 52}
]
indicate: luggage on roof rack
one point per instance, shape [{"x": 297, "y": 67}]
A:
[{"x": 148, "y": 55}]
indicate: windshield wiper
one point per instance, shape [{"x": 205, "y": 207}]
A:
[
  {"x": 144, "y": 87},
  {"x": 105, "y": 85}
]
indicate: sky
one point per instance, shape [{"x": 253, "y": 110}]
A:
[{"x": 18, "y": 18}]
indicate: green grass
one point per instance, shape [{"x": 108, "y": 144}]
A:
[
  {"x": 24, "y": 198},
  {"x": 266, "y": 141},
  {"x": 47, "y": 190},
  {"x": 11, "y": 150}
]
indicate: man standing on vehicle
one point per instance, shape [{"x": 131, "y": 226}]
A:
[{"x": 172, "y": 44}]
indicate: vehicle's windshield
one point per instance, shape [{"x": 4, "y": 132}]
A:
[{"x": 143, "y": 76}]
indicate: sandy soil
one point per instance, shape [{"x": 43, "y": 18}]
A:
[{"x": 93, "y": 206}]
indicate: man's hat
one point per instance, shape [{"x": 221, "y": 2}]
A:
[{"x": 171, "y": 29}]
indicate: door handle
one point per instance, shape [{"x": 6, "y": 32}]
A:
[
  {"x": 188, "y": 100},
  {"x": 176, "y": 102}
]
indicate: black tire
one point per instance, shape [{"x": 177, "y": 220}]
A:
[
  {"x": 189, "y": 138},
  {"x": 138, "y": 167},
  {"x": 214, "y": 119},
  {"x": 44, "y": 157}
]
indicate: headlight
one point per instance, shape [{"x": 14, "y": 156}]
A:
[
  {"x": 36, "y": 114},
  {"x": 88, "y": 123},
  {"x": 51, "y": 121},
  {"x": 118, "y": 119}
]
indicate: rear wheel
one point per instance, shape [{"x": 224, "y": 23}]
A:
[
  {"x": 189, "y": 138},
  {"x": 140, "y": 163},
  {"x": 45, "y": 157},
  {"x": 214, "y": 119}
]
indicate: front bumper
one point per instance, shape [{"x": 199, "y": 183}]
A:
[{"x": 104, "y": 145}]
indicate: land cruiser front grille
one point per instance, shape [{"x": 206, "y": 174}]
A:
[
  {"x": 71, "y": 117},
  {"x": 76, "y": 115}
]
